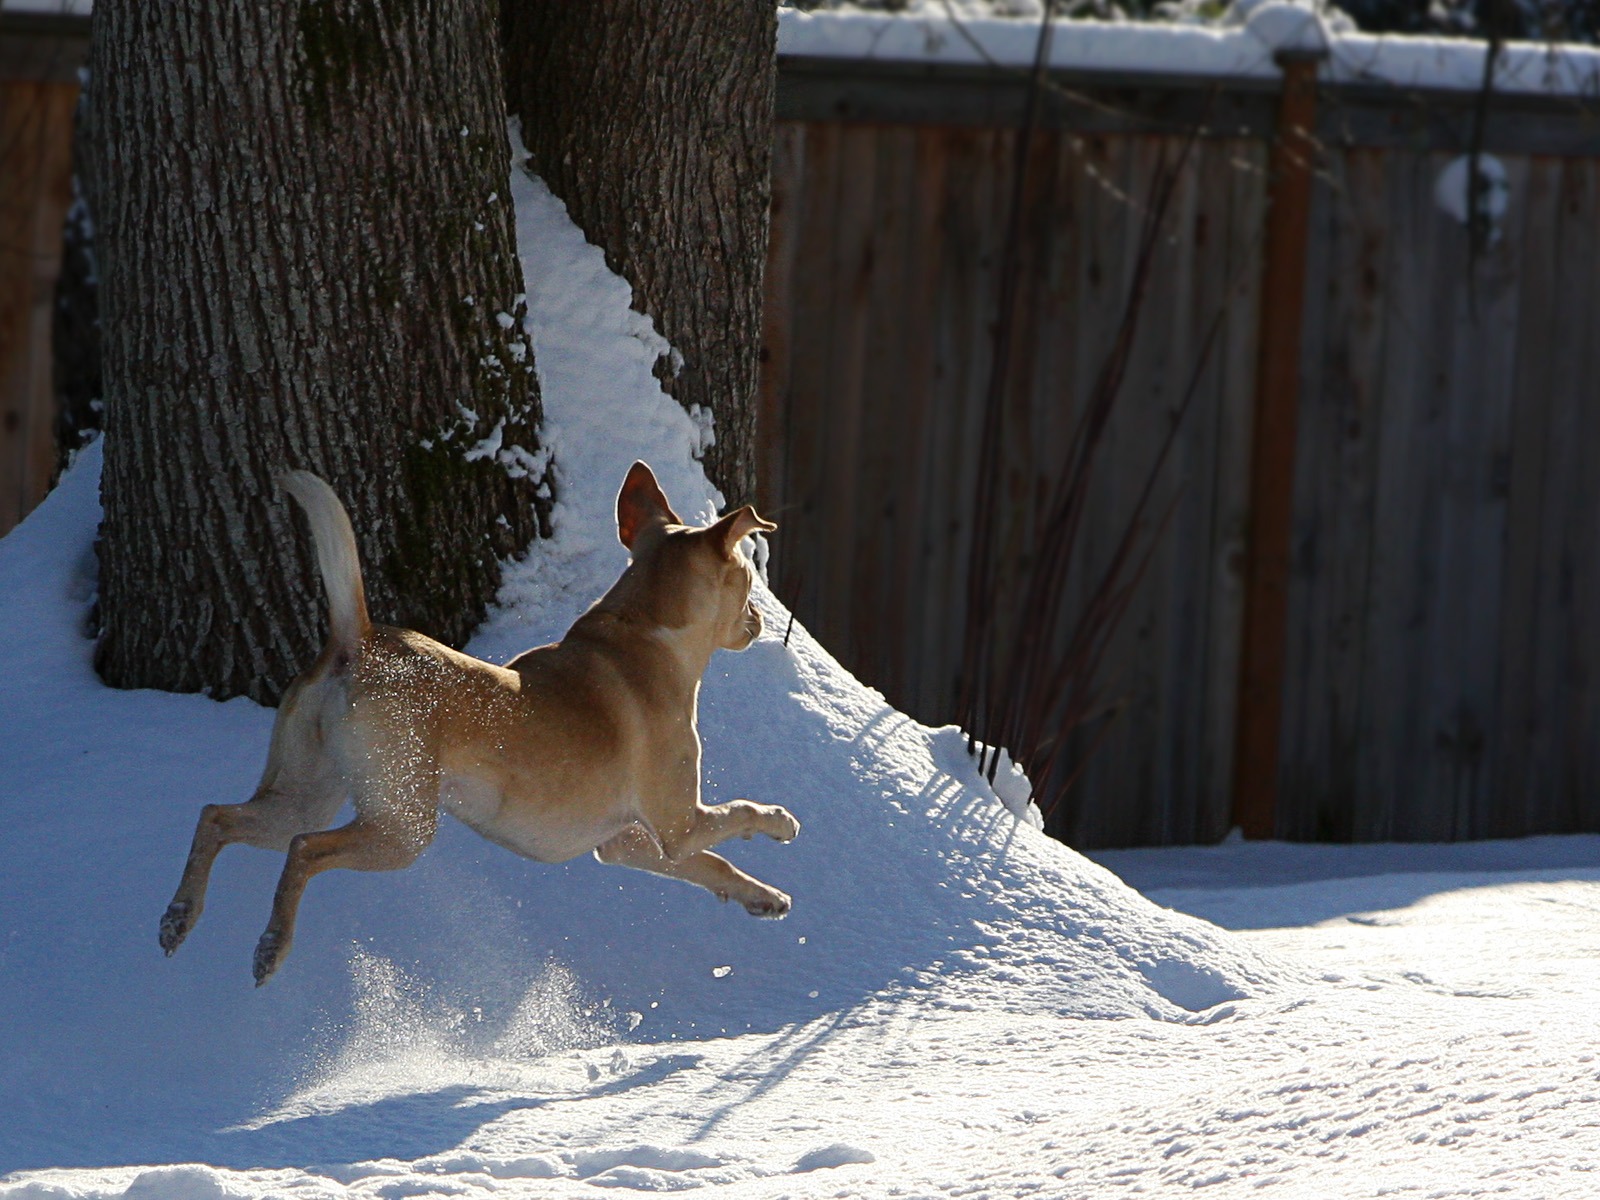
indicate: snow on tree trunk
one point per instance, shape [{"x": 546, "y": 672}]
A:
[
  {"x": 308, "y": 260},
  {"x": 653, "y": 121}
]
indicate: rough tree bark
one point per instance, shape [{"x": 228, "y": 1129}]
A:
[
  {"x": 653, "y": 121},
  {"x": 308, "y": 259}
]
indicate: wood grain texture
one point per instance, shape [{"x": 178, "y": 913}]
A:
[
  {"x": 1444, "y": 597},
  {"x": 1521, "y": 761},
  {"x": 919, "y": 242},
  {"x": 1243, "y": 167},
  {"x": 1340, "y": 363},
  {"x": 35, "y": 190}
]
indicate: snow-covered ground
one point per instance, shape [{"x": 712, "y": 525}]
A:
[{"x": 957, "y": 1006}]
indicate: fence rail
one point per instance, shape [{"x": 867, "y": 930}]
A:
[{"x": 1443, "y": 649}]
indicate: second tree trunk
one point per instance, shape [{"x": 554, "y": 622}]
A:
[{"x": 653, "y": 121}]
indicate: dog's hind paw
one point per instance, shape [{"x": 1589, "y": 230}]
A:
[
  {"x": 175, "y": 925},
  {"x": 269, "y": 953},
  {"x": 772, "y": 904}
]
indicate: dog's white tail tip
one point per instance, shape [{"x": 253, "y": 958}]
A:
[{"x": 336, "y": 557}]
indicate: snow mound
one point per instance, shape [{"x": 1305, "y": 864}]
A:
[{"x": 421, "y": 1005}]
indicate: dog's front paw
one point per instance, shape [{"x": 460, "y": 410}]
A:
[
  {"x": 175, "y": 925},
  {"x": 771, "y": 903},
  {"x": 782, "y": 825},
  {"x": 269, "y": 953}
]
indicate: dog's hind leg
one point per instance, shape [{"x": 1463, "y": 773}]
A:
[
  {"x": 633, "y": 847},
  {"x": 386, "y": 836},
  {"x": 269, "y": 819},
  {"x": 301, "y": 789}
]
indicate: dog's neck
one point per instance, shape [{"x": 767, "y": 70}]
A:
[{"x": 632, "y": 613}]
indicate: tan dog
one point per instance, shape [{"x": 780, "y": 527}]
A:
[{"x": 589, "y": 744}]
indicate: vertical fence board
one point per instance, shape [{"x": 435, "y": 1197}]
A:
[
  {"x": 1108, "y": 228},
  {"x": 1128, "y": 659},
  {"x": 1022, "y": 459},
  {"x": 1421, "y": 810},
  {"x": 1561, "y": 468},
  {"x": 1564, "y": 464},
  {"x": 1245, "y": 172},
  {"x": 1520, "y": 782},
  {"x": 1187, "y": 474},
  {"x": 1127, "y": 752},
  {"x": 879, "y": 517},
  {"x": 925, "y": 676},
  {"x": 1337, "y": 448},
  {"x": 1581, "y": 765},
  {"x": 990, "y": 199},
  {"x": 951, "y": 351},
  {"x": 1195, "y": 473},
  {"x": 852, "y": 269},
  {"x": 1566, "y": 541},
  {"x": 1162, "y": 611},
  {"x": 777, "y": 314},
  {"x": 1404, "y": 494},
  {"x": 806, "y": 429},
  {"x": 1475, "y": 346}
]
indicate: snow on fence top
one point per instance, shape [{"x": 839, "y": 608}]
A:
[
  {"x": 1245, "y": 49},
  {"x": 49, "y": 8}
]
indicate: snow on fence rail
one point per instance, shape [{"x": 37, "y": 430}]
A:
[
  {"x": 1226, "y": 53},
  {"x": 1441, "y": 662}
]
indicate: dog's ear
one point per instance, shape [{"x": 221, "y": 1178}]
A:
[
  {"x": 727, "y": 533},
  {"x": 641, "y": 503}
]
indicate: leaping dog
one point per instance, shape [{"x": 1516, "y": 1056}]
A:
[{"x": 587, "y": 744}]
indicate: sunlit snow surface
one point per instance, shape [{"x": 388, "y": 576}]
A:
[{"x": 956, "y": 1007}]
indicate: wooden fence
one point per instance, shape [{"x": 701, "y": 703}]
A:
[
  {"x": 1443, "y": 610},
  {"x": 39, "y": 56}
]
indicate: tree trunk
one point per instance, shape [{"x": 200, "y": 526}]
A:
[
  {"x": 308, "y": 256},
  {"x": 653, "y": 121}
]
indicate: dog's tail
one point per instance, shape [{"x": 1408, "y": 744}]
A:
[{"x": 336, "y": 557}]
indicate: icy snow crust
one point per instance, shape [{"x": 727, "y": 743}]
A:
[
  {"x": 1247, "y": 50},
  {"x": 956, "y": 1006}
]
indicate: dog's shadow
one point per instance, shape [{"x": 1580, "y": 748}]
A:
[{"x": 404, "y": 1127}]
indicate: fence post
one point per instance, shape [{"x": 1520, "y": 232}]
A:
[{"x": 1266, "y": 601}]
